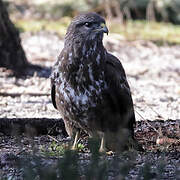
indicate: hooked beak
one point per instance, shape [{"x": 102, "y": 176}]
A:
[{"x": 103, "y": 28}]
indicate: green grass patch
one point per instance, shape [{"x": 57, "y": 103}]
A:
[
  {"x": 33, "y": 25},
  {"x": 160, "y": 33}
]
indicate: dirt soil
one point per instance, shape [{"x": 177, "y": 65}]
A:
[{"x": 29, "y": 120}]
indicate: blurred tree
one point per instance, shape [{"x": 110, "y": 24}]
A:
[
  {"x": 113, "y": 9},
  {"x": 12, "y": 55},
  {"x": 150, "y": 10}
]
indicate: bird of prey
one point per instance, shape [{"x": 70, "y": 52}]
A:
[{"x": 89, "y": 86}]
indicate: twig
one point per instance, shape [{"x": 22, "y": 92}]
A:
[
  {"x": 52, "y": 128},
  {"x": 147, "y": 122},
  {"x": 166, "y": 140},
  {"x": 18, "y": 153},
  {"x": 154, "y": 111},
  {"x": 54, "y": 139}
]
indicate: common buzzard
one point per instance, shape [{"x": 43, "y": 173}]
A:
[{"x": 89, "y": 86}]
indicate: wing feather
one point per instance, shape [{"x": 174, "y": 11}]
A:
[
  {"x": 54, "y": 78},
  {"x": 53, "y": 95},
  {"x": 117, "y": 82}
]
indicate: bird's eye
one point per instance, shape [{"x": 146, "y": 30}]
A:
[{"x": 88, "y": 24}]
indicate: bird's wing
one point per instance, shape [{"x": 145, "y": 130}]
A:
[
  {"x": 119, "y": 88},
  {"x": 116, "y": 74},
  {"x": 54, "y": 79},
  {"x": 53, "y": 87},
  {"x": 53, "y": 95}
]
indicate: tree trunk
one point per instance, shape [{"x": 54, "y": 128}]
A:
[
  {"x": 12, "y": 55},
  {"x": 117, "y": 9},
  {"x": 150, "y": 13},
  {"x": 108, "y": 11}
]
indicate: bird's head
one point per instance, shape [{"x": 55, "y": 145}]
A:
[{"x": 86, "y": 27}]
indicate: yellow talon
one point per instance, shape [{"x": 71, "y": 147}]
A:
[{"x": 74, "y": 147}]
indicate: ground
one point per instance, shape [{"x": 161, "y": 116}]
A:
[{"x": 153, "y": 73}]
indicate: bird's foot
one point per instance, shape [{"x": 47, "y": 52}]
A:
[
  {"x": 109, "y": 153},
  {"x": 102, "y": 148},
  {"x": 74, "y": 147}
]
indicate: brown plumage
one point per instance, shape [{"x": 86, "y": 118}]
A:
[{"x": 89, "y": 86}]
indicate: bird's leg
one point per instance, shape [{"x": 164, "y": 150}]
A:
[
  {"x": 75, "y": 140},
  {"x": 102, "y": 146}
]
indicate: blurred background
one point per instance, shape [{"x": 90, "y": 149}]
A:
[
  {"x": 133, "y": 19},
  {"x": 144, "y": 35}
]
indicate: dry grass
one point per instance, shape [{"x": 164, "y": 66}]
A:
[{"x": 160, "y": 33}]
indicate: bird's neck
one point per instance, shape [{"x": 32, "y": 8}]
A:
[
  {"x": 87, "y": 52},
  {"x": 84, "y": 49},
  {"x": 85, "y": 62}
]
